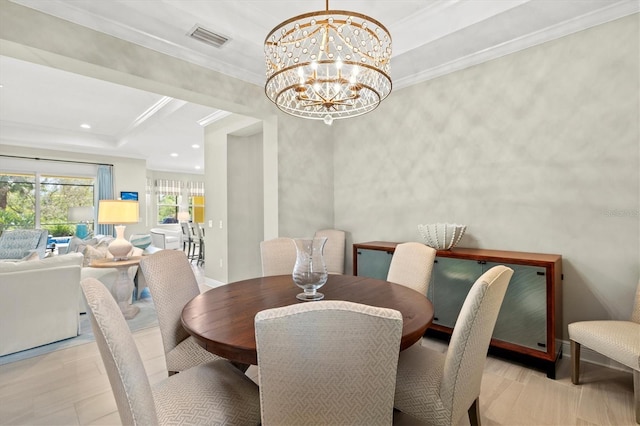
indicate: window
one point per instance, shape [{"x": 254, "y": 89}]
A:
[
  {"x": 57, "y": 195},
  {"x": 42, "y": 201},
  {"x": 169, "y": 197},
  {"x": 168, "y": 207},
  {"x": 17, "y": 201}
]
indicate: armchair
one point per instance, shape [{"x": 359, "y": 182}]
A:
[
  {"x": 18, "y": 243},
  {"x": 166, "y": 239}
]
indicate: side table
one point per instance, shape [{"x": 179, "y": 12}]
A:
[{"x": 123, "y": 287}]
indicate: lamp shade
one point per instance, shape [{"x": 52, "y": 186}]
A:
[
  {"x": 183, "y": 217},
  {"x": 80, "y": 214},
  {"x": 118, "y": 212}
]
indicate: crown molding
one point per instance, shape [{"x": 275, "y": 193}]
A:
[{"x": 589, "y": 20}]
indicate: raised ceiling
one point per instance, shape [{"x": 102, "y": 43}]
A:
[{"x": 430, "y": 38}]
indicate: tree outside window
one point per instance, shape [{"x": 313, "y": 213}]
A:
[
  {"x": 34, "y": 201},
  {"x": 168, "y": 207},
  {"x": 57, "y": 195},
  {"x": 17, "y": 201}
]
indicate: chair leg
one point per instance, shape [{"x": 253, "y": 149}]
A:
[
  {"x": 474, "y": 413},
  {"x": 575, "y": 362},
  {"x": 636, "y": 394}
]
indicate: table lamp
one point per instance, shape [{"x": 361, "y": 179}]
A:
[
  {"x": 81, "y": 216},
  {"x": 119, "y": 213}
]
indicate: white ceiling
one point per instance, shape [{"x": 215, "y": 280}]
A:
[{"x": 430, "y": 38}]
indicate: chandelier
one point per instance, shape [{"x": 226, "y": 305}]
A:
[{"x": 328, "y": 65}]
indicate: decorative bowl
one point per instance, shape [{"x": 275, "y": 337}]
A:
[{"x": 442, "y": 236}]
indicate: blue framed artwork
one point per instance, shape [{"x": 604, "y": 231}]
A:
[{"x": 129, "y": 195}]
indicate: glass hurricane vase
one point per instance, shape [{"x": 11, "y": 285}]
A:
[{"x": 310, "y": 271}]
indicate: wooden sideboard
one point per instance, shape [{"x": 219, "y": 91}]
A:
[{"x": 530, "y": 318}]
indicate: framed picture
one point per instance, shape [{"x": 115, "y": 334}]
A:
[{"x": 129, "y": 195}]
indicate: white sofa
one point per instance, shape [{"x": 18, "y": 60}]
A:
[{"x": 39, "y": 303}]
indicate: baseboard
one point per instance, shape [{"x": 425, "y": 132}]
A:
[{"x": 591, "y": 356}]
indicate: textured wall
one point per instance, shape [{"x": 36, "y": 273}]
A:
[
  {"x": 536, "y": 151},
  {"x": 305, "y": 176},
  {"x": 245, "y": 206}
]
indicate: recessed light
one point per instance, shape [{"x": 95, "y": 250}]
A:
[
  {"x": 197, "y": 167},
  {"x": 174, "y": 154},
  {"x": 85, "y": 126},
  {"x": 195, "y": 146}
]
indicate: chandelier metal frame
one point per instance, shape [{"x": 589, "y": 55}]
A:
[{"x": 328, "y": 65}]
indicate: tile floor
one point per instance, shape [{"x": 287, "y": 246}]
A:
[{"x": 70, "y": 387}]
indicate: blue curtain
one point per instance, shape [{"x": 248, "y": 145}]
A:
[{"x": 105, "y": 192}]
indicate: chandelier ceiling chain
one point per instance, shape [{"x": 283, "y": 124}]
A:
[{"x": 328, "y": 65}]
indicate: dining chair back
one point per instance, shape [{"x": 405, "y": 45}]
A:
[
  {"x": 199, "y": 230},
  {"x": 618, "y": 340},
  {"x": 333, "y": 249},
  {"x": 216, "y": 392},
  {"x": 314, "y": 370},
  {"x": 187, "y": 240},
  {"x": 411, "y": 266},
  {"x": 196, "y": 241},
  {"x": 172, "y": 284},
  {"x": 439, "y": 388},
  {"x": 278, "y": 256}
]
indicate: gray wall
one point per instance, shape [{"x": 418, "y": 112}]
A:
[
  {"x": 537, "y": 151},
  {"x": 245, "y": 201},
  {"x": 305, "y": 176}
]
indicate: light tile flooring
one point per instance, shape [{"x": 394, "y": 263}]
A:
[{"x": 70, "y": 387}]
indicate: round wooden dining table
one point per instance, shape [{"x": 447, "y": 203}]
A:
[{"x": 222, "y": 319}]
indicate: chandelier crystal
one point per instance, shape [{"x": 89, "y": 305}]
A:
[{"x": 328, "y": 65}]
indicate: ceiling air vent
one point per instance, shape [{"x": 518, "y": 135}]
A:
[{"x": 209, "y": 37}]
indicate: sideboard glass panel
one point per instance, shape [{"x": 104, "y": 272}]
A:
[
  {"x": 523, "y": 316},
  {"x": 373, "y": 263},
  {"x": 452, "y": 280}
]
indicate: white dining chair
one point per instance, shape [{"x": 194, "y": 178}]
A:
[
  {"x": 618, "y": 340},
  {"x": 278, "y": 256},
  {"x": 212, "y": 393},
  {"x": 172, "y": 284},
  {"x": 315, "y": 370},
  {"x": 440, "y": 388},
  {"x": 411, "y": 266}
]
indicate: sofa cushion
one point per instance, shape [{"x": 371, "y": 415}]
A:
[
  {"x": 31, "y": 256},
  {"x": 49, "y": 262},
  {"x": 94, "y": 253},
  {"x": 77, "y": 245}
]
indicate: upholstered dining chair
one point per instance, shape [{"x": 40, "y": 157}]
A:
[
  {"x": 333, "y": 249},
  {"x": 439, "y": 388},
  {"x": 313, "y": 370},
  {"x": 278, "y": 256},
  {"x": 618, "y": 340},
  {"x": 187, "y": 239},
  {"x": 172, "y": 284},
  {"x": 212, "y": 393},
  {"x": 411, "y": 266}
]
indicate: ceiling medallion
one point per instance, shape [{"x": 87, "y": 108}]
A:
[{"x": 328, "y": 65}]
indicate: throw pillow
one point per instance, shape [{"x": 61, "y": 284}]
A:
[
  {"x": 77, "y": 245},
  {"x": 92, "y": 253},
  {"x": 31, "y": 256}
]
